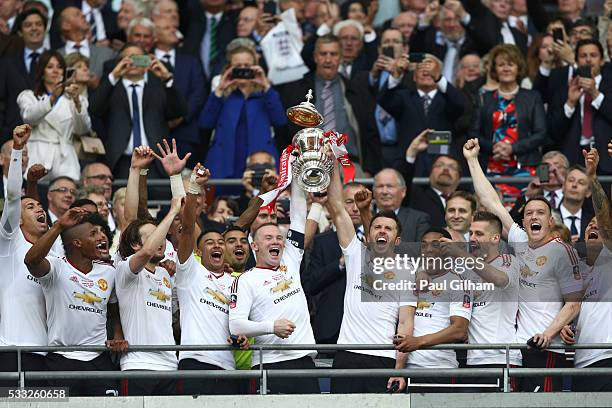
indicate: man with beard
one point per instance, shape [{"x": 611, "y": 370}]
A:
[
  {"x": 594, "y": 322},
  {"x": 77, "y": 292},
  {"x": 373, "y": 321},
  {"x": 442, "y": 316},
  {"x": 268, "y": 302},
  {"x": 144, "y": 288},
  {"x": 550, "y": 285},
  {"x": 203, "y": 293},
  {"x": 23, "y": 222}
]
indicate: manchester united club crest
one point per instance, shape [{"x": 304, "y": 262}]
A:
[
  {"x": 282, "y": 268},
  {"x": 102, "y": 284}
]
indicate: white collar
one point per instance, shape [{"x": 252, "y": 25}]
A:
[
  {"x": 160, "y": 54},
  {"x": 84, "y": 45},
  {"x": 432, "y": 93},
  {"x": 565, "y": 213},
  {"x": 86, "y": 8},
  {"x": 216, "y": 16},
  {"x": 29, "y": 51},
  {"x": 127, "y": 83}
]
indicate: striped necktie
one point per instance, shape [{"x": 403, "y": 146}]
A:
[
  {"x": 214, "y": 50},
  {"x": 329, "y": 114}
]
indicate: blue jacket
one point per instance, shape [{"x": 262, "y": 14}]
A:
[{"x": 263, "y": 110}]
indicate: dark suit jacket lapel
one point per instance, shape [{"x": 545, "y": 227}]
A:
[
  {"x": 418, "y": 101},
  {"x": 435, "y": 198}
]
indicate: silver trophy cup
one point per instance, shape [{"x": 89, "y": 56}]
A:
[{"x": 312, "y": 167}]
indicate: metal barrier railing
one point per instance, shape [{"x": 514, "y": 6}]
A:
[
  {"x": 263, "y": 374},
  {"x": 367, "y": 181}
]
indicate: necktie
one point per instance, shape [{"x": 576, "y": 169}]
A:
[
  {"x": 329, "y": 113},
  {"x": 573, "y": 229},
  {"x": 213, "y": 51},
  {"x": 33, "y": 59},
  {"x": 360, "y": 235},
  {"x": 92, "y": 25},
  {"x": 77, "y": 47},
  {"x": 552, "y": 200},
  {"x": 426, "y": 103},
  {"x": 445, "y": 197},
  {"x": 521, "y": 26},
  {"x": 137, "y": 138},
  {"x": 168, "y": 61},
  {"x": 344, "y": 71},
  {"x": 587, "y": 117}
]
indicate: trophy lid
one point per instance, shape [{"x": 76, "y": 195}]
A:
[{"x": 305, "y": 114}]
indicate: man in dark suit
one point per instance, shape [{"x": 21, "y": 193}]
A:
[
  {"x": 434, "y": 104},
  {"x": 488, "y": 26},
  {"x": 576, "y": 210},
  {"x": 389, "y": 192},
  {"x": 210, "y": 30},
  {"x": 17, "y": 71},
  {"x": 189, "y": 82},
  {"x": 582, "y": 117},
  {"x": 324, "y": 279},
  {"x": 449, "y": 42},
  {"x": 136, "y": 106},
  {"x": 345, "y": 106},
  {"x": 99, "y": 15},
  {"x": 443, "y": 181},
  {"x": 75, "y": 30}
]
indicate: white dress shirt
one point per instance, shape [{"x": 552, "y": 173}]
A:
[
  {"x": 83, "y": 49},
  {"x": 566, "y": 216},
  {"x": 97, "y": 15},
  {"x": 506, "y": 34},
  {"x": 159, "y": 54}
]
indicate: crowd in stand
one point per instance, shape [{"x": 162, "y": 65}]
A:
[{"x": 92, "y": 91}]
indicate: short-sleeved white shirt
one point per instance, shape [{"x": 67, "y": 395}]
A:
[
  {"x": 204, "y": 299},
  {"x": 546, "y": 274},
  {"x": 146, "y": 316},
  {"x": 76, "y": 305}
]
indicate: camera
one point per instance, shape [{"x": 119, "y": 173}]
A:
[
  {"x": 259, "y": 170},
  {"x": 243, "y": 73}
]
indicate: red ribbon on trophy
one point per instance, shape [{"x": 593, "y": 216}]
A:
[
  {"x": 337, "y": 141},
  {"x": 284, "y": 180}
]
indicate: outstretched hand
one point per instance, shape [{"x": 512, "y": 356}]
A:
[
  {"x": 72, "y": 217},
  {"x": 170, "y": 159}
]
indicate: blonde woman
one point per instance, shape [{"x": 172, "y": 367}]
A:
[{"x": 242, "y": 111}]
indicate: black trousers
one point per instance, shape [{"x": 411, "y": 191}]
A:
[
  {"x": 147, "y": 386},
  {"x": 292, "y": 385},
  {"x": 205, "y": 386},
  {"x": 78, "y": 387},
  {"x": 29, "y": 362},
  {"x": 542, "y": 359},
  {"x": 348, "y": 385},
  {"x": 594, "y": 383}
]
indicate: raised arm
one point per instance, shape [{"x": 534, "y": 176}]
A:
[
  {"x": 199, "y": 178},
  {"x": 363, "y": 200},
  {"x": 35, "y": 258},
  {"x": 341, "y": 218},
  {"x": 155, "y": 240},
  {"x": 141, "y": 159},
  {"x": 601, "y": 202},
  {"x": 35, "y": 173},
  {"x": 268, "y": 183},
  {"x": 11, "y": 213},
  {"x": 484, "y": 189},
  {"x": 298, "y": 209}
]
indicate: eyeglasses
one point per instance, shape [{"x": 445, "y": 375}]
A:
[
  {"x": 64, "y": 190},
  {"x": 101, "y": 177}
]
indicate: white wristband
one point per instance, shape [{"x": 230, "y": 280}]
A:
[
  {"x": 144, "y": 172},
  {"x": 315, "y": 212},
  {"x": 193, "y": 187},
  {"x": 177, "y": 187}
]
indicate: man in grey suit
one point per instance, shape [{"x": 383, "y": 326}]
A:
[
  {"x": 389, "y": 192},
  {"x": 74, "y": 28}
]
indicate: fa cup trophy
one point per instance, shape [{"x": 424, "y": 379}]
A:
[{"x": 312, "y": 167}]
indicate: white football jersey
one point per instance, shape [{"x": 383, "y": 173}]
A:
[
  {"x": 76, "y": 304},
  {"x": 370, "y": 315},
  {"x": 546, "y": 274},
  {"x": 434, "y": 310},
  {"x": 594, "y": 324},
  {"x": 23, "y": 318},
  {"x": 266, "y": 295},
  {"x": 494, "y": 315},
  {"x": 204, "y": 299},
  {"x": 145, "y": 306}
]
